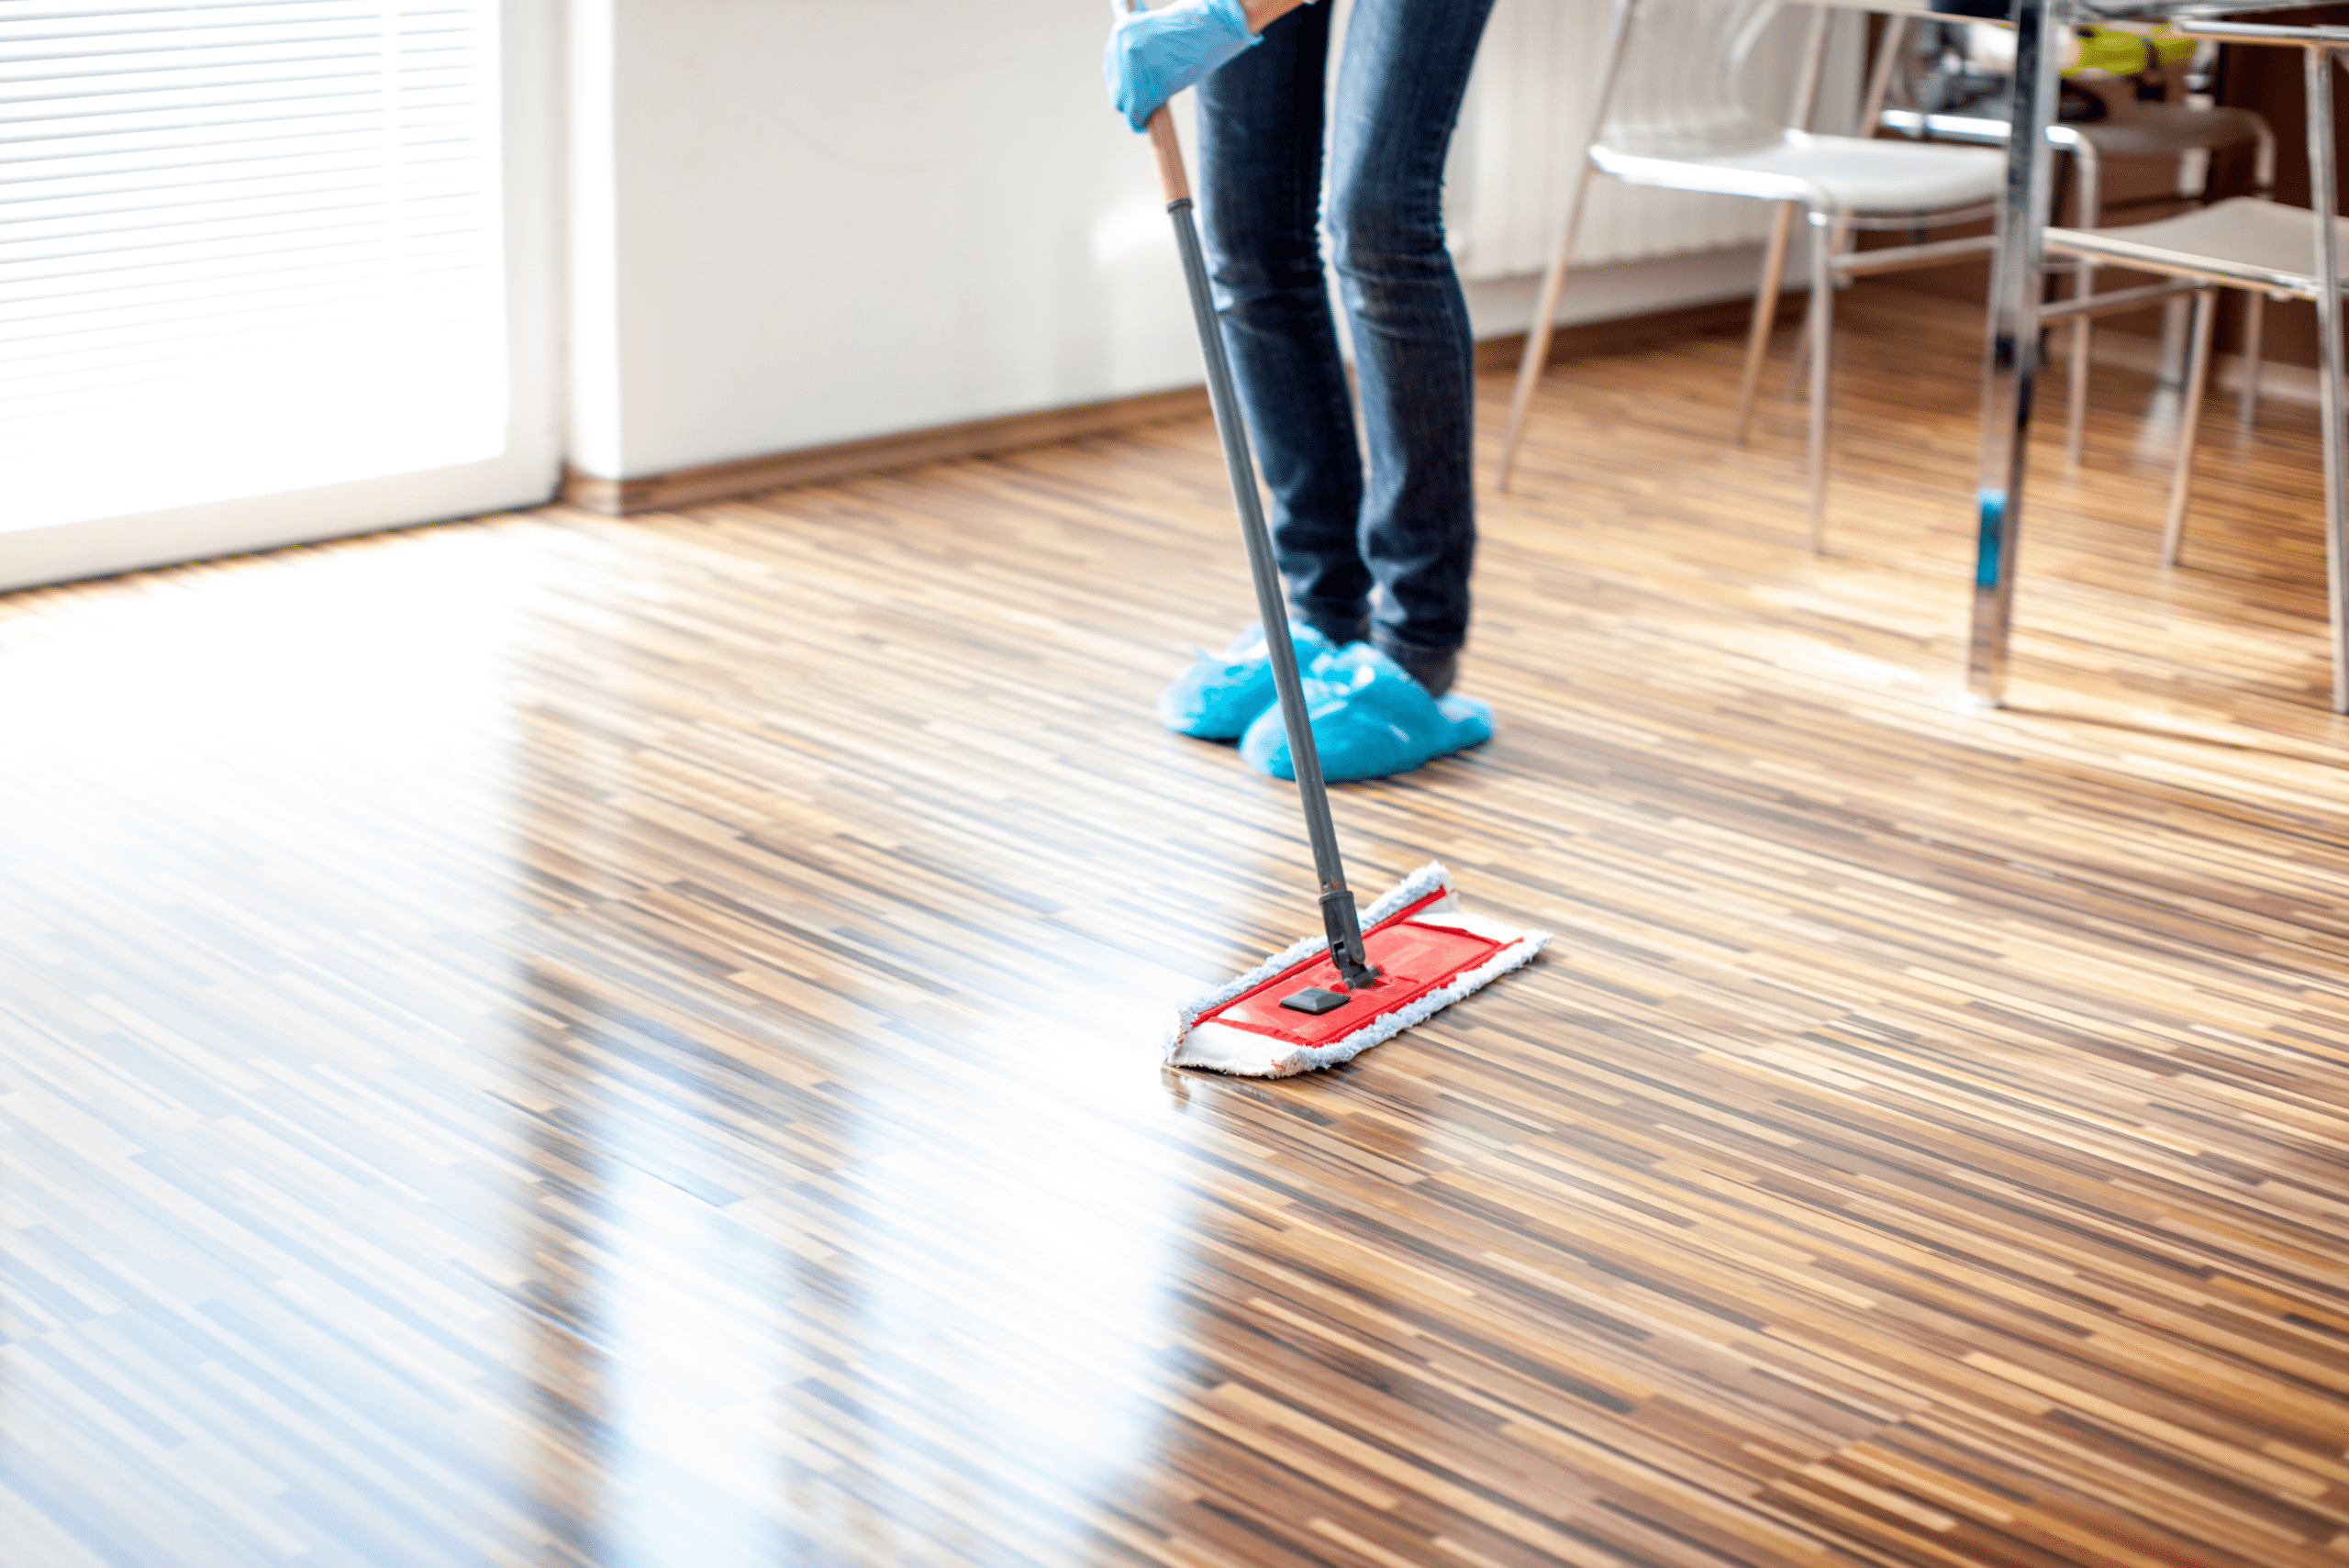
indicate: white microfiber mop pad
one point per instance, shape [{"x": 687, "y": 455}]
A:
[{"x": 1433, "y": 951}]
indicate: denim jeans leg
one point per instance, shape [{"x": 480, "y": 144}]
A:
[
  {"x": 1399, "y": 91},
  {"x": 1260, "y": 197}
]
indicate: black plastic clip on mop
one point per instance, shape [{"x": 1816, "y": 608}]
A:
[{"x": 1339, "y": 917}]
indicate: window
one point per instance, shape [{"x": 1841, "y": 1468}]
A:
[{"x": 253, "y": 249}]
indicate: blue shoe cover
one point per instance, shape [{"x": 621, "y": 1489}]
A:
[
  {"x": 1369, "y": 719},
  {"x": 1219, "y": 698}
]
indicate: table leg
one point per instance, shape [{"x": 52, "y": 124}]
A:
[
  {"x": 2013, "y": 359},
  {"x": 2325, "y": 197}
]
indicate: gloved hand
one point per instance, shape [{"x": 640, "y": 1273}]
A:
[{"x": 1153, "y": 55}]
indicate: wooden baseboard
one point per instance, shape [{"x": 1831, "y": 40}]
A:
[
  {"x": 1626, "y": 333},
  {"x": 809, "y": 465},
  {"x": 841, "y": 460},
  {"x": 2284, "y": 382}
]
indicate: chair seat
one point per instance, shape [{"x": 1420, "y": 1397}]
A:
[
  {"x": 2131, "y": 130},
  {"x": 1838, "y": 173},
  {"x": 2243, "y": 241}
]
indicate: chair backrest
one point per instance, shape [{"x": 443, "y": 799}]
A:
[{"x": 1677, "y": 90}]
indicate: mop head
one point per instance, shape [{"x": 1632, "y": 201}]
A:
[{"x": 1431, "y": 952}]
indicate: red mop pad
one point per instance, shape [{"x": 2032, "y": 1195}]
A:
[{"x": 1292, "y": 1014}]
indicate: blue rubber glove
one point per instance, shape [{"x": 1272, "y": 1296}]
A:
[{"x": 1153, "y": 55}]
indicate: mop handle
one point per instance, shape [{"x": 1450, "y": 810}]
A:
[{"x": 1338, "y": 918}]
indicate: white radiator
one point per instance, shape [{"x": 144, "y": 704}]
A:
[{"x": 1519, "y": 143}]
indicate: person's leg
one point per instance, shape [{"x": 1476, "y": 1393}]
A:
[
  {"x": 1260, "y": 197},
  {"x": 1399, "y": 89}
]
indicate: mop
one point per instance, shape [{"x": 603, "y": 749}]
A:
[{"x": 1372, "y": 973}]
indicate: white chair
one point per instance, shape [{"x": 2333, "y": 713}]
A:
[
  {"x": 1666, "y": 111},
  {"x": 2284, "y": 253}
]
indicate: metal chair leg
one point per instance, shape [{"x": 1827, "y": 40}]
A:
[
  {"x": 1798, "y": 370},
  {"x": 1546, "y": 314},
  {"x": 1806, "y": 108},
  {"x": 1822, "y": 360},
  {"x": 2090, "y": 168},
  {"x": 1894, "y": 34},
  {"x": 2255, "y": 304},
  {"x": 1832, "y": 243},
  {"x": 2174, "y": 327},
  {"x": 1766, "y": 315},
  {"x": 2076, "y": 427},
  {"x": 2325, "y": 200},
  {"x": 2190, "y": 421},
  {"x": 1536, "y": 358},
  {"x": 2254, "y": 311}
]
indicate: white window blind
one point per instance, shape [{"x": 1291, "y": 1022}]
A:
[{"x": 244, "y": 249}]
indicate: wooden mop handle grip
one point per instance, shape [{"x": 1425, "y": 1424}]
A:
[
  {"x": 1168, "y": 147},
  {"x": 1163, "y": 143}
]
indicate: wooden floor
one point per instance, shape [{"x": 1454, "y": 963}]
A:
[{"x": 558, "y": 1040}]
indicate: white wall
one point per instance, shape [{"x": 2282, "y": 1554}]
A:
[
  {"x": 803, "y": 221},
  {"x": 832, "y": 218}
]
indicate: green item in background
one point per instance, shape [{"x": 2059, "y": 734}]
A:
[
  {"x": 2174, "y": 49},
  {"x": 2126, "y": 53},
  {"x": 2109, "y": 49}
]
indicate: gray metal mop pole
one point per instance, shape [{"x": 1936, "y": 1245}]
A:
[{"x": 1339, "y": 917}]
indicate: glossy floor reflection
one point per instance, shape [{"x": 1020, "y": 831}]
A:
[{"x": 562, "y": 1041}]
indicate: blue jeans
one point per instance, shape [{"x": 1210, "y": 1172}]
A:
[{"x": 1408, "y": 527}]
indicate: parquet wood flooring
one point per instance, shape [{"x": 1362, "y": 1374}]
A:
[{"x": 562, "y": 1040}]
